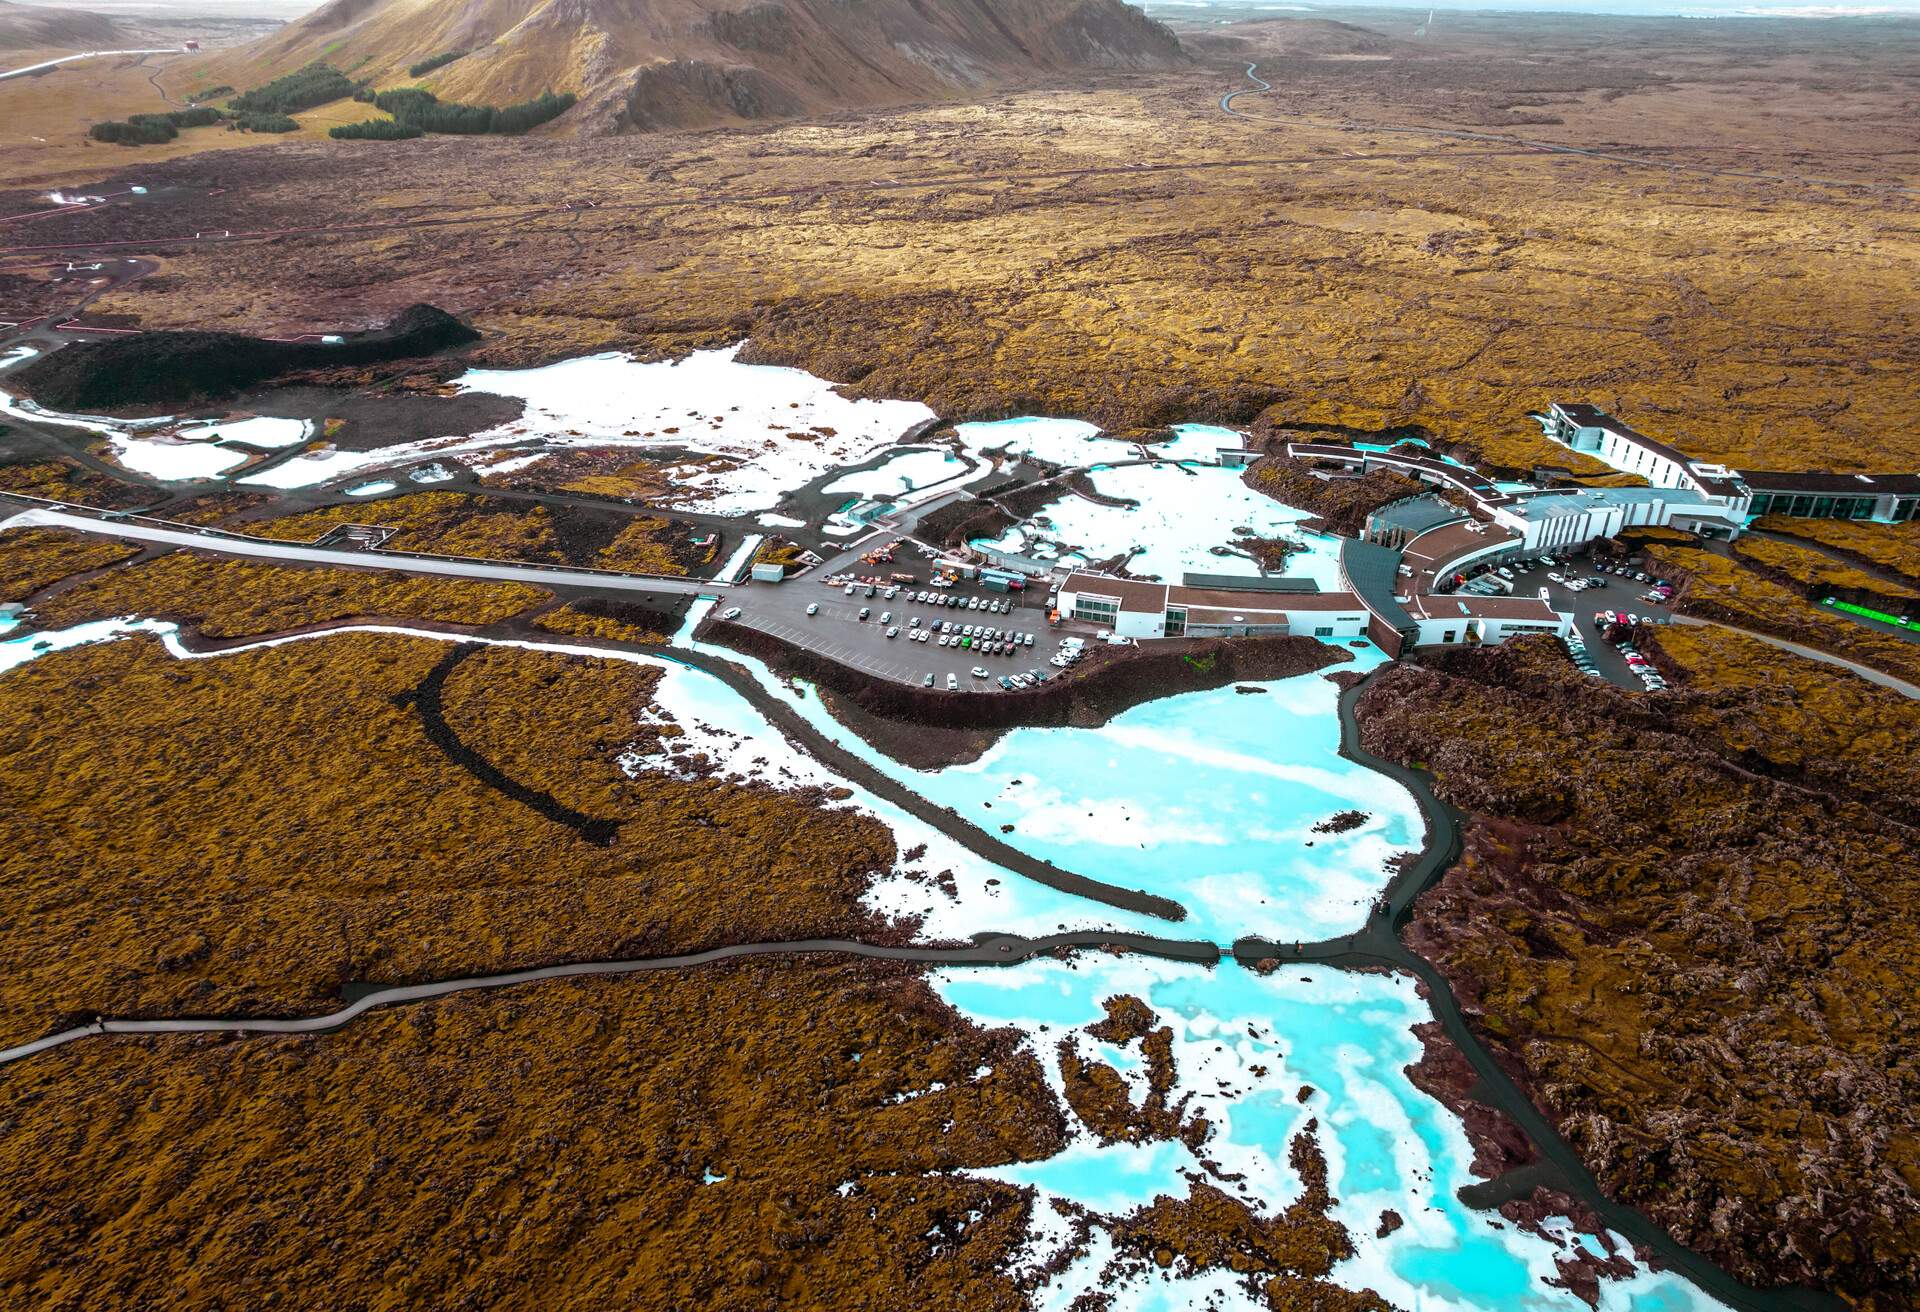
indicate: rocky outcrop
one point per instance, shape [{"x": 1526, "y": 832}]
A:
[
  {"x": 172, "y": 368},
  {"x": 1341, "y": 503}
]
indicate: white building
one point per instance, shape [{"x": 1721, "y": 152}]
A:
[
  {"x": 1133, "y": 608},
  {"x": 1591, "y": 431}
]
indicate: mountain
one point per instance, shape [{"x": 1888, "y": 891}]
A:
[
  {"x": 649, "y": 64},
  {"x": 33, "y": 27}
]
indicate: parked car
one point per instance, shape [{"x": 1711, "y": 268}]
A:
[
  {"x": 894, "y": 631},
  {"x": 869, "y": 589},
  {"x": 980, "y": 672},
  {"x": 927, "y": 682},
  {"x": 1504, "y": 573},
  {"x": 813, "y": 608},
  {"x": 886, "y": 617},
  {"x": 953, "y": 682},
  {"x": 849, "y": 589},
  {"x": 730, "y": 613},
  {"x": 892, "y": 593},
  {"x": 864, "y": 612}
]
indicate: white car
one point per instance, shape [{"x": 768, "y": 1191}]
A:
[
  {"x": 886, "y": 617},
  {"x": 1556, "y": 577},
  {"x": 813, "y": 608},
  {"x": 953, "y": 682},
  {"x": 730, "y": 613},
  {"x": 894, "y": 632},
  {"x": 980, "y": 672}
]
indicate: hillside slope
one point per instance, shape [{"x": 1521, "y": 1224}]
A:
[
  {"x": 649, "y": 64},
  {"x": 24, "y": 27}
]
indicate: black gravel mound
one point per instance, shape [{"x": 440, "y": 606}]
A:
[{"x": 169, "y": 368}]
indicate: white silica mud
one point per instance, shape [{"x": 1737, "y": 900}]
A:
[
  {"x": 263, "y": 432},
  {"x": 1186, "y": 513},
  {"x": 172, "y": 460},
  {"x": 756, "y": 431},
  {"x": 898, "y": 475},
  {"x": 1075, "y": 443},
  {"x": 1244, "y": 1046}
]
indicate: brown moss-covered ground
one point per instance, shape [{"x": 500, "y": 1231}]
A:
[
  {"x": 32, "y": 558},
  {"x": 543, "y": 1148},
  {"x": 496, "y": 528},
  {"x": 1809, "y": 568},
  {"x": 56, "y": 480},
  {"x": 225, "y": 597},
  {"x": 613, "y": 620},
  {"x": 1890, "y": 547},
  {"x": 249, "y": 833},
  {"x": 1127, "y": 253},
  {"x": 1286, "y": 1254},
  {"x": 1689, "y": 921},
  {"x": 1766, "y": 599},
  {"x": 1341, "y": 503}
]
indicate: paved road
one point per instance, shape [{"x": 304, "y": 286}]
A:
[{"x": 543, "y": 576}]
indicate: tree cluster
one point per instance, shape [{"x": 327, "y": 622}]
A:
[
  {"x": 422, "y": 109},
  {"x": 316, "y": 84},
  {"x": 427, "y": 65},
  {"x": 152, "y": 129}
]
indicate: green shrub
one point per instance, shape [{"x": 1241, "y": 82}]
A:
[
  {"x": 375, "y": 129},
  {"x": 265, "y": 123},
  {"x": 209, "y": 94},
  {"x": 316, "y": 84},
  {"x": 427, "y": 66},
  {"x": 152, "y": 129}
]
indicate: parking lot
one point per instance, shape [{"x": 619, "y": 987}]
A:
[
  {"x": 1622, "y": 595},
  {"x": 837, "y": 631}
]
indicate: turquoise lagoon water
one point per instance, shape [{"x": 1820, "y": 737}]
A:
[
  {"x": 1208, "y": 798},
  {"x": 1347, "y": 1038}
]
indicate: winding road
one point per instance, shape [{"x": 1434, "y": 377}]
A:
[{"x": 166, "y": 532}]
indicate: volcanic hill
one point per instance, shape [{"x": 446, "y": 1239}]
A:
[
  {"x": 640, "y": 65},
  {"x": 33, "y": 27}
]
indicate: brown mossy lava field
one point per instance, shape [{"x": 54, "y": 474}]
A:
[
  {"x": 1687, "y": 921},
  {"x": 250, "y": 837},
  {"x": 1129, "y": 254}
]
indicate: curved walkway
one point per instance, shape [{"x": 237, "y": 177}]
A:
[{"x": 988, "y": 950}]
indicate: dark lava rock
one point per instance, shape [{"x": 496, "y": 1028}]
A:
[{"x": 171, "y": 368}]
